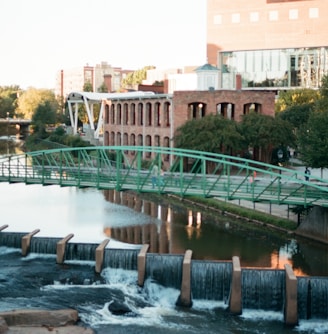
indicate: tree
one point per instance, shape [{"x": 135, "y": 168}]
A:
[
  {"x": 87, "y": 87},
  {"x": 135, "y": 78},
  {"x": 32, "y": 98},
  {"x": 297, "y": 115},
  {"x": 313, "y": 140},
  {"x": 263, "y": 133},
  {"x": 212, "y": 133},
  {"x": 296, "y": 97},
  {"x": 8, "y": 100}
]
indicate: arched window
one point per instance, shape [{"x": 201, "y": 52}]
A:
[
  {"x": 157, "y": 114},
  {"x": 226, "y": 110},
  {"x": 167, "y": 114},
  {"x": 148, "y": 114},
  {"x": 252, "y": 107},
  {"x": 133, "y": 114},
  {"x": 140, "y": 113},
  {"x": 119, "y": 114},
  {"x": 106, "y": 114},
  {"x": 125, "y": 114},
  {"x": 112, "y": 114}
]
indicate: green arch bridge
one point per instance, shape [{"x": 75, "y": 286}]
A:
[{"x": 189, "y": 173}]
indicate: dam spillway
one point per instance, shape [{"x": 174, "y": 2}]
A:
[{"x": 209, "y": 280}]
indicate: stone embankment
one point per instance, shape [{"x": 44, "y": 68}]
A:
[{"x": 41, "y": 322}]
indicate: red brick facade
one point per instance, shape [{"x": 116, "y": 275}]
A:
[{"x": 153, "y": 120}]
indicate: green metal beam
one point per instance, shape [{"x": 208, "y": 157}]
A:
[{"x": 191, "y": 173}]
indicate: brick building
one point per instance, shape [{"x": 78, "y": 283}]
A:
[{"x": 152, "y": 119}]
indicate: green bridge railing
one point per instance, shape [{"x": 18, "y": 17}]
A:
[{"x": 189, "y": 173}]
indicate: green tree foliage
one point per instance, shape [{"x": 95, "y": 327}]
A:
[
  {"x": 211, "y": 133},
  {"x": 296, "y": 97},
  {"x": 8, "y": 100},
  {"x": 102, "y": 88},
  {"x": 32, "y": 98},
  {"x": 313, "y": 140},
  {"x": 264, "y": 132},
  {"x": 87, "y": 87},
  {"x": 297, "y": 115},
  {"x": 135, "y": 78},
  {"x": 44, "y": 115}
]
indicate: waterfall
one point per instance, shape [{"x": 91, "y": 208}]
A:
[
  {"x": 165, "y": 269},
  {"x": 121, "y": 258},
  {"x": 211, "y": 280},
  {"x": 263, "y": 289},
  {"x": 11, "y": 239},
  {"x": 312, "y": 297},
  {"x": 44, "y": 245},
  {"x": 77, "y": 251}
]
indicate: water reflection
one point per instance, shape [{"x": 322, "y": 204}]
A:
[{"x": 212, "y": 238}]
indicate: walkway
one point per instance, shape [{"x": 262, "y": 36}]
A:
[{"x": 189, "y": 173}]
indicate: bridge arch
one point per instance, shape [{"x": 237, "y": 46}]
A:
[{"x": 186, "y": 173}]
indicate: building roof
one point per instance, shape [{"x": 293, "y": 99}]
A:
[
  {"x": 206, "y": 67},
  {"x": 98, "y": 97}
]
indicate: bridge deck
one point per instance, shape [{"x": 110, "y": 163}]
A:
[{"x": 230, "y": 177}]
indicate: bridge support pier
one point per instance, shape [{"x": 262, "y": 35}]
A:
[
  {"x": 185, "y": 294},
  {"x": 235, "y": 302},
  {"x": 26, "y": 241},
  {"x": 142, "y": 264},
  {"x": 291, "y": 312},
  {"x": 61, "y": 247},
  {"x": 100, "y": 255}
]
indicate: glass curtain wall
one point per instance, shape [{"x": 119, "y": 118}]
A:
[{"x": 284, "y": 68}]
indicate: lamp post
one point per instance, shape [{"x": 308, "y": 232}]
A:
[
  {"x": 280, "y": 155},
  {"x": 7, "y": 133}
]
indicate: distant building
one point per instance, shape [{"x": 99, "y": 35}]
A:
[
  {"x": 271, "y": 44},
  {"x": 102, "y": 77}
]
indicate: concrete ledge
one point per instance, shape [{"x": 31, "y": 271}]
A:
[
  {"x": 26, "y": 241},
  {"x": 61, "y": 247},
  {"x": 291, "y": 311},
  {"x": 100, "y": 255},
  {"x": 235, "y": 302},
  {"x": 185, "y": 293},
  {"x": 142, "y": 264},
  {"x": 41, "y": 321}
]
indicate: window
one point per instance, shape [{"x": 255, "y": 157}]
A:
[
  {"x": 293, "y": 14},
  {"x": 235, "y": 18},
  {"x": 313, "y": 13},
  {"x": 217, "y": 19},
  {"x": 273, "y": 15},
  {"x": 254, "y": 16}
]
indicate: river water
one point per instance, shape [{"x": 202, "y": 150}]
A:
[{"x": 36, "y": 281}]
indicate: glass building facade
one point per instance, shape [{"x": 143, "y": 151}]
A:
[{"x": 281, "y": 68}]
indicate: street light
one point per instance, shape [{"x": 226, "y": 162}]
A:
[
  {"x": 280, "y": 155},
  {"x": 7, "y": 132}
]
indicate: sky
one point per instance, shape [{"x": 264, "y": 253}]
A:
[{"x": 38, "y": 38}]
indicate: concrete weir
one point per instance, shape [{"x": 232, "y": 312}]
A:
[
  {"x": 235, "y": 302},
  {"x": 142, "y": 264},
  {"x": 61, "y": 247},
  {"x": 100, "y": 255},
  {"x": 237, "y": 283},
  {"x": 26, "y": 242},
  {"x": 185, "y": 293}
]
